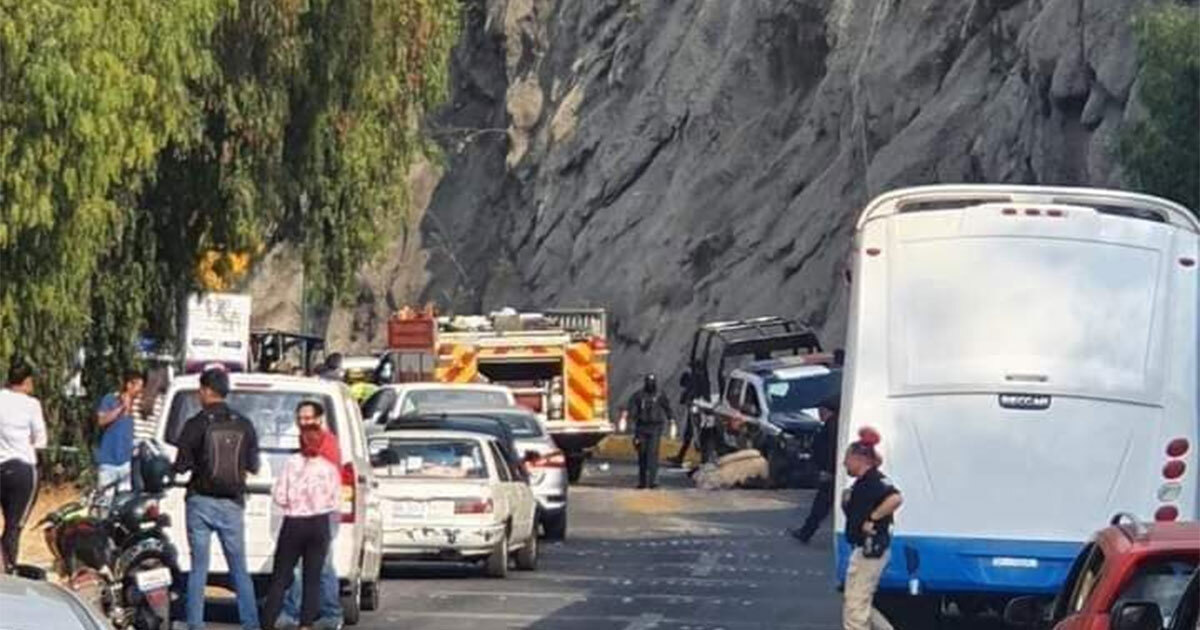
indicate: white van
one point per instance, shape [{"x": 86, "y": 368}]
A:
[
  {"x": 269, "y": 401},
  {"x": 1029, "y": 356}
]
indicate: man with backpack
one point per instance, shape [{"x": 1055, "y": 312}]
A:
[{"x": 219, "y": 447}]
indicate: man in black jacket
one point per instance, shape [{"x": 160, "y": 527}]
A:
[
  {"x": 219, "y": 447},
  {"x": 650, "y": 412},
  {"x": 824, "y": 450}
]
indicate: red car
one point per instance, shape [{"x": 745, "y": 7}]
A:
[{"x": 1131, "y": 576}]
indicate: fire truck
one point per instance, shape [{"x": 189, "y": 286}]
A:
[{"x": 555, "y": 362}]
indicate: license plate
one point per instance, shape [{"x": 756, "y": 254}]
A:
[
  {"x": 408, "y": 510},
  {"x": 153, "y": 579}
]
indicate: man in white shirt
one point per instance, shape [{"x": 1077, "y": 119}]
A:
[{"x": 22, "y": 430}]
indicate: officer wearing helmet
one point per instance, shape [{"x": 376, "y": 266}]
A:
[{"x": 650, "y": 412}]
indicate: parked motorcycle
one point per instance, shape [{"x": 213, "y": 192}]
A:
[{"x": 112, "y": 550}]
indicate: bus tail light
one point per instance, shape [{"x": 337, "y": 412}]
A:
[
  {"x": 1166, "y": 513},
  {"x": 1174, "y": 469},
  {"x": 1177, "y": 447}
]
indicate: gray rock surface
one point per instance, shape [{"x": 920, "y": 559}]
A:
[{"x": 678, "y": 161}]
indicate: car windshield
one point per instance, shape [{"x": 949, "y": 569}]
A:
[
  {"x": 273, "y": 414},
  {"x": 428, "y": 459},
  {"x": 453, "y": 399},
  {"x": 798, "y": 394}
]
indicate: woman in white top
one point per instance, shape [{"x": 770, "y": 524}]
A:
[{"x": 22, "y": 430}]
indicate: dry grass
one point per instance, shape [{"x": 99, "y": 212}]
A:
[{"x": 33, "y": 545}]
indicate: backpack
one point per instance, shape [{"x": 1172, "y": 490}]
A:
[{"x": 224, "y": 455}]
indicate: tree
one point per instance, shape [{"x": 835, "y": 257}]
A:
[
  {"x": 138, "y": 137},
  {"x": 90, "y": 93},
  {"x": 1161, "y": 151}
]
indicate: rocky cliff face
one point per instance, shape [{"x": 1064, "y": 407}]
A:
[{"x": 678, "y": 161}]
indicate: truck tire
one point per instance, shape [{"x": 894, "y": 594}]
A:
[
  {"x": 496, "y": 565},
  {"x": 574, "y": 467},
  {"x": 555, "y": 525}
]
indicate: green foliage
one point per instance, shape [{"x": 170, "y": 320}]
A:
[
  {"x": 138, "y": 135},
  {"x": 90, "y": 92},
  {"x": 1161, "y": 152}
]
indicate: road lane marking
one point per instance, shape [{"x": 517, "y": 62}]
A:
[
  {"x": 648, "y": 621},
  {"x": 705, "y": 565},
  {"x": 399, "y": 616}
]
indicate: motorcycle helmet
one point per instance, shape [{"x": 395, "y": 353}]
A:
[{"x": 155, "y": 472}]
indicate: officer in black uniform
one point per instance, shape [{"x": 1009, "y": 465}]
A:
[
  {"x": 824, "y": 452},
  {"x": 650, "y": 411}
]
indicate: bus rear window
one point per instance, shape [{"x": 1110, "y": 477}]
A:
[{"x": 999, "y": 312}]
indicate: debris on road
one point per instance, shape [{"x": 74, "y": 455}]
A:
[{"x": 741, "y": 469}]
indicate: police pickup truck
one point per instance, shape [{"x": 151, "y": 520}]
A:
[{"x": 771, "y": 406}]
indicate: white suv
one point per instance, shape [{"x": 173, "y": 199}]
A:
[{"x": 269, "y": 401}]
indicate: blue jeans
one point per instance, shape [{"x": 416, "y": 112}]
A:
[
  {"x": 225, "y": 518},
  {"x": 331, "y": 603},
  {"x": 110, "y": 473}
]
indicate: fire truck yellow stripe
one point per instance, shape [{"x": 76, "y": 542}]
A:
[{"x": 582, "y": 388}]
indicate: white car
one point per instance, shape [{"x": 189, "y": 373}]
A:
[
  {"x": 454, "y": 495},
  {"x": 393, "y": 401},
  {"x": 269, "y": 401}
]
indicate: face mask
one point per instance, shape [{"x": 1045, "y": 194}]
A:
[{"x": 310, "y": 440}]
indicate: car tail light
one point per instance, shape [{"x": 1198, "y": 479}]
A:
[
  {"x": 349, "y": 492},
  {"x": 473, "y": 506},
  {"x": 1174, "y": 469},
  {"x": 554, "y": 459},
  {"x": 1166, "y": 513},
  {"x": 1177, "y": 447}
]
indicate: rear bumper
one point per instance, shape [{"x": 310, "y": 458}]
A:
[
  {"x": 972, "y": 565},
  {"x": 431, "y": 541}
]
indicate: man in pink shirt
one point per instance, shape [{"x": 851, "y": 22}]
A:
[{"x": 313, "y": 413}]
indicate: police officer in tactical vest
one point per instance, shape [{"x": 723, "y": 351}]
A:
[{"x": 650, "y": 412}]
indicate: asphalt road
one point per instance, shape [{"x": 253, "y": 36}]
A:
[{"x": 675, "y": 558}]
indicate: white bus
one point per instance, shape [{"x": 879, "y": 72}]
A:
[{"x": 1029, "y": 355}]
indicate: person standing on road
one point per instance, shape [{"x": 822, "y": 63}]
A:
[
  {"x": 22, "y": 431},
  {"x": 312, "y": 414},
  {"x": 695, "y": 385},
  {"x": 824, "y": 450},
  {"x": 869, "y": 505},
  {"x": 650, "y": 412},
  {"x": 114, "y": 417},
  {"x": 219, "y": 447},
  {"x": 307, "y": 490}
]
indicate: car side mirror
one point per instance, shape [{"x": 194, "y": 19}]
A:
[
  {"x": 1137, "y": 616},
  {"x": 1026, "y": 612}
]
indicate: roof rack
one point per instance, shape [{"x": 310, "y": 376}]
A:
[
  {"x": 947, "y": 197},
  {"x": 1129, "y": 525}
]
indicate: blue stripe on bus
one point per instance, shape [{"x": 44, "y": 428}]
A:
[{"x": 956, "y": 565}]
